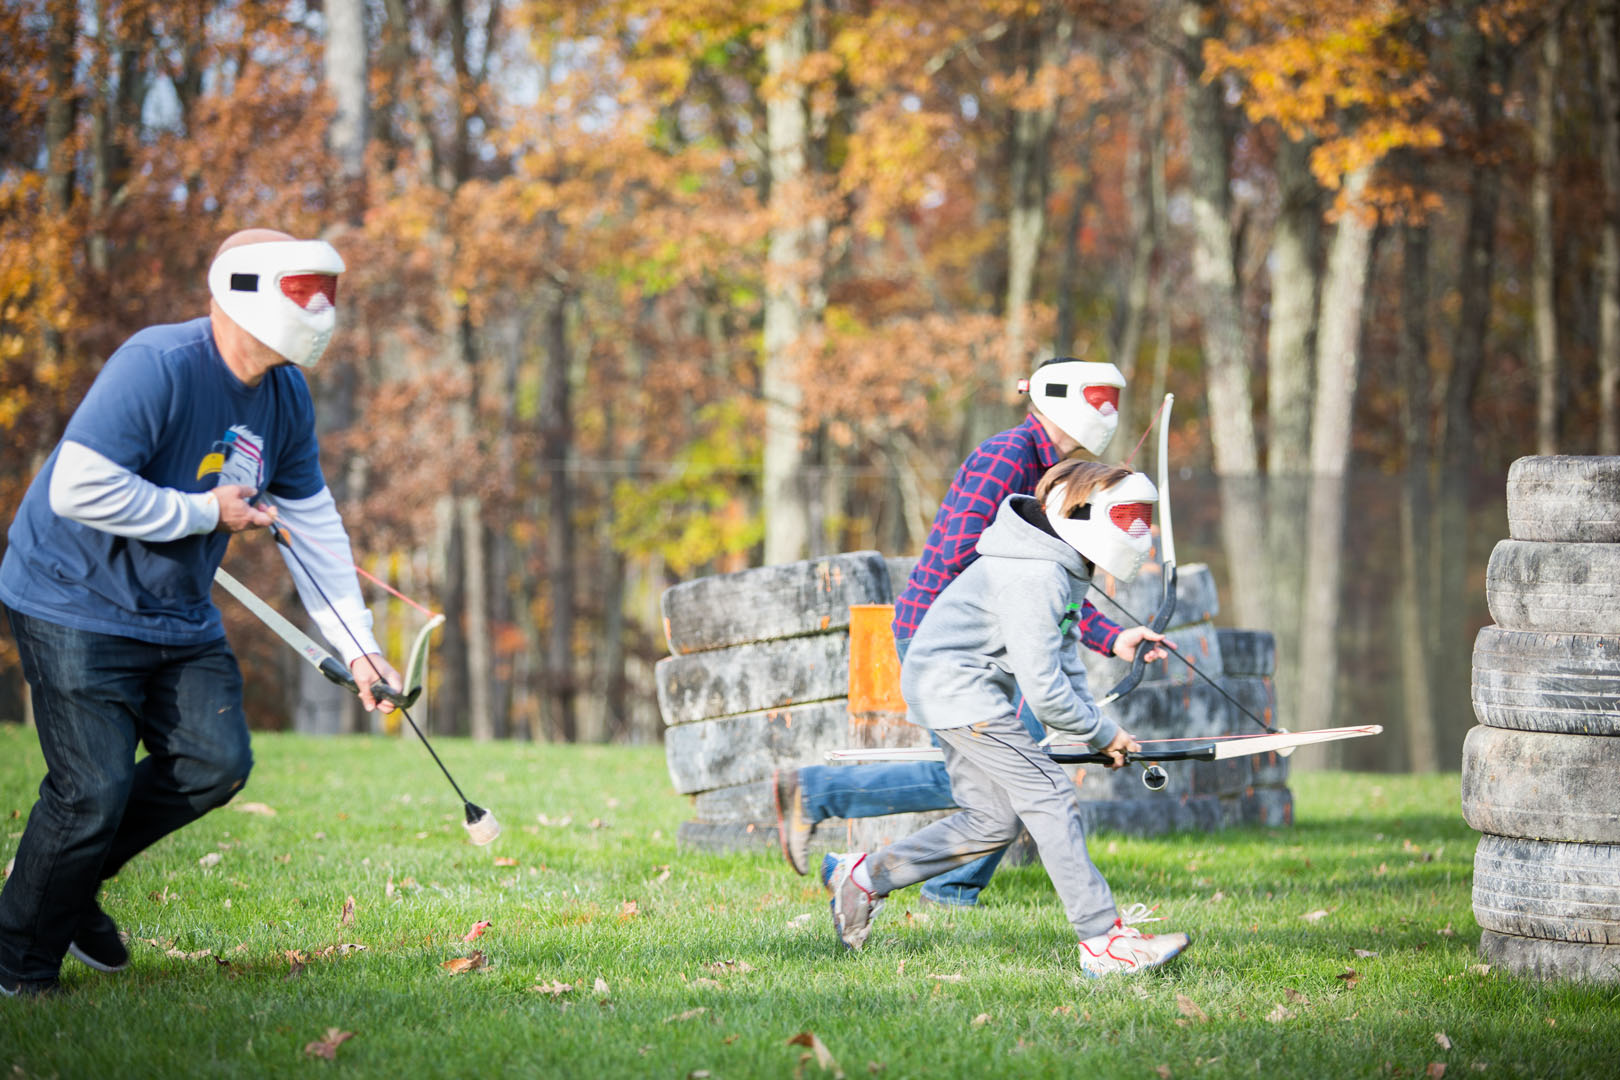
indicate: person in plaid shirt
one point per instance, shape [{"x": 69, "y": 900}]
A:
[{"x": 1073, "y": 405}]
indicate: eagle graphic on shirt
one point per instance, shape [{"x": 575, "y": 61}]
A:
[{"x": 236, "y": 458}]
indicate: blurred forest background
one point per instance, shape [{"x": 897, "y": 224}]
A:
[{"x": 641, "y": 290}]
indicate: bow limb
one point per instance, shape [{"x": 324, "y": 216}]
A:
[
  {"x": 1167, "y": 551},
  {"x": 1078, "y": 753}
]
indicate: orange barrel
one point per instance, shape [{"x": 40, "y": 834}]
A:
[{"x": 877, "y": 713}]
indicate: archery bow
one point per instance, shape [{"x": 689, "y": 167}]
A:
[{"x": 1167, "y": 549}]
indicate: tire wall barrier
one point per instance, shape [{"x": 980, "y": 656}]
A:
[
  {"x": 760, "y": 668},
  {"x": 1539, "y": 773}
]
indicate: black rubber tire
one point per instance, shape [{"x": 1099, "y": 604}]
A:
[
  {"x": 772, "y": 602},
  {"x": 1564, "y": 499},
  {"x": 1545, "y": 889},
  {"x": 1538, "y": 958},
  {"x": 1248, "y": 652},
  {"x": 752, "y": 678},
  {"x": 742, "y": 749},
  {"x": 1197, "y": 599},
  {"x": 1542, "y": 786},
  {"x": 1531, "y": 681},
  {"x": 1554, "y": 588}
]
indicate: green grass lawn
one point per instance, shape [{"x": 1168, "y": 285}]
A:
[{"x": 609, "y": 954}]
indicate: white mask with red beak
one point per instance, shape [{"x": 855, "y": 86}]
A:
[
  {"x": 283, "y": 292},
  {"x": 1113, "y": 528},
  {"x": 1081, "y": 397}
]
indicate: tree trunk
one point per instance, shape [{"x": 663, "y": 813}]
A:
[
  {"x": 480, "y": 666},
  {"x": 1220, "y": 309},
  {"x": 1338, "y": 363},
  {"x": 1477, "y": 268},
  {"x": 1608, "y": 51},
  {"x": 786, "y": 499},
  {"x": 557, "y": 434},
  {"x": 1289, "y": 339},
  {"x": 1030, "y": 182},
  {"x": 1144, "y": 132},
  {"x": 345, "y": 55},
  {"x": 1415, "y": 620},
  {"x": 1544, "y": 270}
]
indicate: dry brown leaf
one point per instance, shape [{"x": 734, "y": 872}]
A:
[
  {"x": 505, "y": 860},
  {"x": 477, "y": 928},
  {"x": 732, "y": 967},
  {"x": 1479, "y": 969},
  {"x": 1163, "y": 1071},
  {"x": 875, "y": 1067},
  {"x": 327, "y": 1047},
  {"x": 284, "y": 859},
  {"x": 600, "y": 986},
  {"x": 799, "y": 922},
  {"x": 663, "y": 874},
  {"x": 1279, "y": 1014},
  {"x": 259, "y": 808},
  {"x": 824, "y": 1057},
  {"x": 1295, "y": 996},
  {"x": 1189, "y": 1008},
  {"x": 555, "y": 988},
  {"x": 347, "y": 918},
  {"x": 1443, "y": 1039},
  {"x": 689, "y": 1014},
  {"x": 979, "y": 1021},
  {"x": 1063, "y": 1010},
  {"x": 460, "y": 965},
  {"x": 342, "y": 949},
  {"x": 388, "y": 889},
  {"x": 1314, "y": 916},
  {"x": 1350, "y": 976},
  {"x": 1436, "y": 1070},
  {"x": 1364, "y": 953},
  {"x": 1446, "y": 931},
  {"x": 699, "y": 1074},
  {"x": 10, "y": 863},
  {"x": 628, "y": 910},
  {"x": 210, "y": 859}
]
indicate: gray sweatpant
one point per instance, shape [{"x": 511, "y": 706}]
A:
[{"x": 1001, "y": 777}]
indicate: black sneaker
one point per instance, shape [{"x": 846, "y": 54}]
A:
[
  {"x": 97, "y": 944},
  {"x": 10, "y": 987}
]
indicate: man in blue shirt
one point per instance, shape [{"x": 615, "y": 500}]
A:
[
  {"x": 106, "y": 583},
  {"x": 1073, "y": 406}
]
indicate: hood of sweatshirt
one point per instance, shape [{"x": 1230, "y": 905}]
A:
[{"x": 1020, "y": 531}]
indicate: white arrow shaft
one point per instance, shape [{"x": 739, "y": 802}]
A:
[{"x": 1228, "y": 748}]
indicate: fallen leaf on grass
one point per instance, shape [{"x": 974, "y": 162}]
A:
[
  {"x": 556, "y": 823},
  {"x": 689, "y": 1014},
  {"x": 1443, "y": 1039},
  {"x": 347, "y": 918},
  {"x": 284, "y": 859},
  {"x": 979, "y": 1021},
  {"x": 730, "y": 967},
  {"x": 1314, "y": 916},
  {"x": 799, "y": 922},
  {"x": 11, "y": 862},
  {"x": 180, "y": 954},
  {"x": 477, "y": 928},
  {"x": 705, "y": 981},
  {"x": 505, "y": 860},
  {"x": 210, "y": 859},
  {"x": 1436, "y": 1070},
  {"x": 628, "y": 910},
  {"x": 327, "y": 1047},
  {"x": 1296, "y": 997},
  {"x": 1479, "y": 969},
  {"x": 460, "y": 965},
  {"x": 699, "y": 1074},
  {"x": 1065, "y": 1010},
  {"x": 949, "y": 978},
  {"x": 1350, "y": 976},
  {"x": 1189, "y": 1008},
  {"x": 262, "y": 809},
  {"x": 875, "y": 1067},
  {"x": 1364, "y": 953},
  {"x": 1163, "y": 1071},
  {"x": 555, "y": 988},
  {"x": 600, "y": 986},
  {"x": 341, "y": 950},
  {"x": 823, "y": 1056},
  {"x": 1279, "y": 1014},
  {"x": 1446, "y": 931},
  {"x": 663, "y": 874}
]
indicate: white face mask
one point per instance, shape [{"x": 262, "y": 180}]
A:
[
  {"x": 1081, "y": 397},
  {"x": 1113, "y": 529},
  {"x": 283, "y": 292}
]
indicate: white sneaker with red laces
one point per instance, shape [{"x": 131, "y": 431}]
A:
[{"x": 1125, "y": 950}]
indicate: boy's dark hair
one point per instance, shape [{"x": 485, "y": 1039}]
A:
[{"x": 1082, "y": 479}]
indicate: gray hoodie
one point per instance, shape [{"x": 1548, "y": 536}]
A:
[{"x": 993, "y": 634}]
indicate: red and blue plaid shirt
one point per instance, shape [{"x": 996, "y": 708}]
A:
[{"x": 1007, "y": 463}]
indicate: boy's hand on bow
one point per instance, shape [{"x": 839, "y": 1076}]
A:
[
  {"x": 1129, "y": 641},
  {"x": 1124, "y": 743}
]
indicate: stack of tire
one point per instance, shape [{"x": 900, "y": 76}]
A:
[
  {"x": 757, "y": 679},
  {"x": 1541, "y": 774}
]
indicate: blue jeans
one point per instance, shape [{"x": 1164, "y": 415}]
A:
[
  {"x": 95, "y": 697},
  {"x": 857, "y": 791}
]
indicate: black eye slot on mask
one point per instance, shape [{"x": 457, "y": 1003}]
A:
[
  {"x": 1057, "y": 389},
  {"x": 244, "y": 283},
  {"x": 1081, "y": 513}
]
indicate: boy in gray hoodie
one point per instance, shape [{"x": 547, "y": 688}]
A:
[{"x": 1005, "y": 625}]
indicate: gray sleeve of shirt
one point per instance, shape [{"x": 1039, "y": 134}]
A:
[{"x": 1030, "y": 607}]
